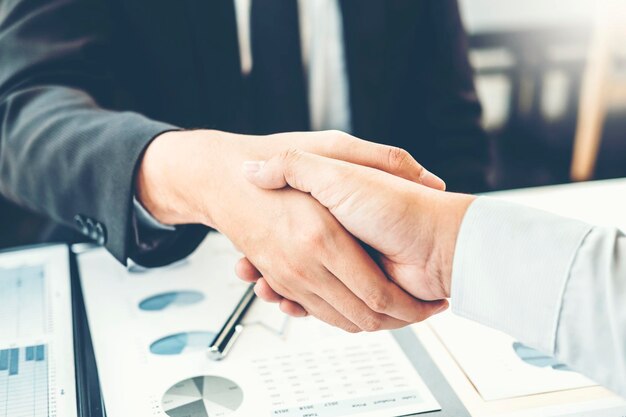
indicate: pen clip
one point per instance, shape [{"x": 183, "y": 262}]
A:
[
  {"x": 215, "y": 354},
  {"x": 232, "y": 328}
]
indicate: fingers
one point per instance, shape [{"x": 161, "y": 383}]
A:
[
  {"x": 263, "y": 290},
  {"x": 444, "y": 305},
  {"x": 266, "y": 293},
  {"x": 352, "y": 283},
  {"x": 310, "y": 172},
  {"x": 292, "y": 308},
  {"x": 330, "y": 181},
  {"x": 322, "y": 310},
  {"x": 246, "y": 271},
  {"x": 344, "y": 301},
  {"x": 391, "y": 159},
  {"x": 429, "y": 179},
  {"x": 300, "y": 170},
  {"x": 363, "y": 317},
  {"x": 362, "y": 276},
  {"x": 334, "y": 295},
  {"x": 272, "y": 176},
  {"x": 398, "y": 162}
]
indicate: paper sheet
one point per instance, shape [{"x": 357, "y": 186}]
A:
[
  {"x": 277, "y": 367},
  {"x": 498, "y": 366},
  {"x": 36, "y": 342},
  {"x": 143, "y": 322},
  {"x": 317, "y": 370}
]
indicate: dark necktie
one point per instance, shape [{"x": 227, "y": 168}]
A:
[{"x": 277, "y": 84}]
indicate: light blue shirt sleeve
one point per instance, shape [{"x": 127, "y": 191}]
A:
[
  {"x": 553, "y": 283},
  {"x": 591, "y": 336}
]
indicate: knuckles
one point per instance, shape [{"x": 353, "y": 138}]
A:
[
  {"x": 338, "y": 139},
  {"x": 378, "y": 301},
  {"x": 290, "y": 156},
  {"x": 313, "y": 237},
  {"x": 372, "y": 323},
  {"x": 399, "y": 160},
  {"x": 353, "y": 329}
]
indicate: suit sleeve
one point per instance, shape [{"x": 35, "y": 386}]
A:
[
  {"x": 449, "y": 104},
  {"x": 553, "y": 283},
  {"x": 62, "y": 152}
]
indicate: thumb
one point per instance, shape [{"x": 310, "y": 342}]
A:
[
  {"x": 271, "y": 178},
  {"x": 297, "y": 169}
]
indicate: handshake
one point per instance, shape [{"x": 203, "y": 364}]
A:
[
  {"x": 409, "y": 227},
  {"x": 355, "y": 233}
]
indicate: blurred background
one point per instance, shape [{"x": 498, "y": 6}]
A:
[{"x": 551, "y": 75}]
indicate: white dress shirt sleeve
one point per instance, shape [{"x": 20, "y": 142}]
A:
[
  {"x": 146, "y": 220},
  {"x": 553, "y": 283},
  {"x": 149, "y": 234}
]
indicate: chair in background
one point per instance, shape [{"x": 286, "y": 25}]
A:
[
  {"x": 602, "y": 88},
  {"x": 532, "y": 137}
]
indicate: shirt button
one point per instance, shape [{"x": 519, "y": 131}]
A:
[
  {"x": 101, "y": 238},
  {"x": 80, "y": 223},
  {"x": 89, "y": 224},
  {"x": 91, "y": 229}
]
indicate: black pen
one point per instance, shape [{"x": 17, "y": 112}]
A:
[{"x": 232, "y": 328}]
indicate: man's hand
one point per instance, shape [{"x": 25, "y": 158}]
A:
[
  {"x": 301, "y": 250},
  {"x": 414, "y": 228}
]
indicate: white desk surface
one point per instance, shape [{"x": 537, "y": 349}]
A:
[
  {"x": 503, "y": 15},
  {"x": 599, "y": 202}
]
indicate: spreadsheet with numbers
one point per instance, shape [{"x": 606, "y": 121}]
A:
[{"x": 359, "y": 375}]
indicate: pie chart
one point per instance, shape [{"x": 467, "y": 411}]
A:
[
  {"x": 202, "y": 396},
  {"x": 536, "y": 358},
  {"x": 165, "y": 300},
  {"x": 179, "y": 343}
]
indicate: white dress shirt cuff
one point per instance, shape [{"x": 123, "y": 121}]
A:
[
  {"x": 146, "y": 220},
  {"x": 511, "y": 266}
]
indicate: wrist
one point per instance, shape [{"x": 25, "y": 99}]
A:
[
  {"x": 165, "y": 179},
  {"x": 451, "y": 208}
]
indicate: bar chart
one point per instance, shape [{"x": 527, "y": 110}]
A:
[
  {"x": 22, "y": 302},
  {"x": 37, "y": 374},
  {"x": 24, "y": 381},
  {"x": 24, "y": 389}
]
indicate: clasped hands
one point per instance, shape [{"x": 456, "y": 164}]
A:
[
  {"x": 303, "y": 208},
  {"x": 411, "y": 229}
]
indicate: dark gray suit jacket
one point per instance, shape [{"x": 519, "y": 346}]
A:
[{"x": 85, "y": 85}]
